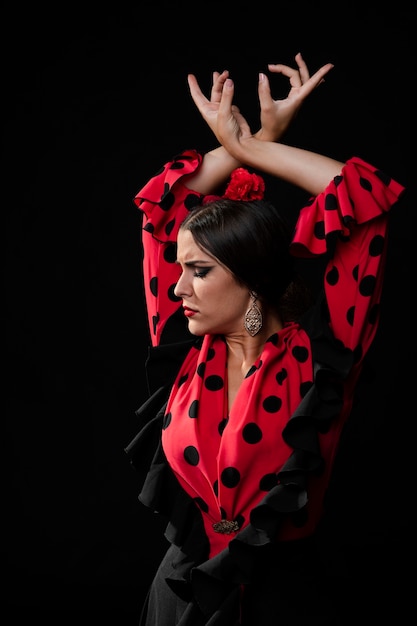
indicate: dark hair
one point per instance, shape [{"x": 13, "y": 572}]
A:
[{"x": 252, "y": 240}]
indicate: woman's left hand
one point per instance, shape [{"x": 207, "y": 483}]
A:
[{"x": 276, "y": 115}]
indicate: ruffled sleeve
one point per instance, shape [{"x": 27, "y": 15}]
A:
[
  {"x": 165, "y": 202},
  {"x": 348, "y": 223}
]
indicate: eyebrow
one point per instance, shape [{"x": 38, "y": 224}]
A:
[{"x": 194, "y": 263}]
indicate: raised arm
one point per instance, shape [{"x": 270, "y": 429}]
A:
[
  {"x": 275, "y": 117},
  {"x": 217, "y": 164},
  {"x": 303, "y": 168}
]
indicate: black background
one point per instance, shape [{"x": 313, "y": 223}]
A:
[{"x": 93, "y": 103}]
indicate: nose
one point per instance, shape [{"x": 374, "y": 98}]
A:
[{"x": 183, "y": 287}]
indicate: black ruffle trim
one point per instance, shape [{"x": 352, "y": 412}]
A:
[{"x": 212, "y": 585}]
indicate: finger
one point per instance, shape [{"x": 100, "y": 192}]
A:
[
  {"x": 286, "y": 70},
  {"x": 225, "y": 107},
  {"x": 218, "y": 82},
  {"x": 280, "y": 68},
  {"x": 302, "y": 68},
  {"x": 196, "y": 93},
  {"x": 318, "y": 76},
  {"x": 264, "y": 92}
]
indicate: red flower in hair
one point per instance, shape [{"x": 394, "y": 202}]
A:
[
  {"x": 242, "y": 186},
  {"x": 245, "y": 186}
]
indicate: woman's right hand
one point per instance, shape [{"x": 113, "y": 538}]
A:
[
  {"x": 276, "y": 115},
  {"x": 208, "y": 107}
]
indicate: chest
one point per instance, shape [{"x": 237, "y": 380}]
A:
[{"x": 234, "y": 380}]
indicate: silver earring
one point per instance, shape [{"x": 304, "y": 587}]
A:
[{"x": 253, "y": 317}]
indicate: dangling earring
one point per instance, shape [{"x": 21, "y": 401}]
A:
[{"x": 253, "y": 317}]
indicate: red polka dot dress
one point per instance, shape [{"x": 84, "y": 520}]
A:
[{"x": 259, "y": 472}]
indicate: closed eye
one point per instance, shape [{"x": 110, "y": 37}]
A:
[{"x": 201, "y": 272}]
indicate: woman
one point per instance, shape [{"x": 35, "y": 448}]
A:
[{"x": 249, "y": 391}]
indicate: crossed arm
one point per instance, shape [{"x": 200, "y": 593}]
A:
[{"x": 261, "y": 150}]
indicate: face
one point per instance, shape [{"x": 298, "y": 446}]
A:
[{"x": 214, "y": 302}]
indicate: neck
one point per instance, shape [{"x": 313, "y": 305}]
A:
[{"x": 245, "y": 349}]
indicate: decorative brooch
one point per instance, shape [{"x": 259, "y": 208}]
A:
[{"x": 226, "y": 527}]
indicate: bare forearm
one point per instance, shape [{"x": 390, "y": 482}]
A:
[
  {"x": 214, "y": 171},
  {"x": 216, "y": 168},
  {"x": 303, "y": 168}
]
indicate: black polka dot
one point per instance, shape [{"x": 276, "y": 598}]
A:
[
  {"x": 177, "y": 164},
  {"x": 201, "y": 369},
  {"x": 169, "y": 227},
  {"x": 272, "y": 404},
  {"x": 377, "y": 245},
  {"x": 319, "y": 230},
  {"x": 250, "y": 371},
  {"x": 198, "y": 343},
  {"x": 350, "y": 315},
  {"x": 210, "y": 354},
  {"x": 202, "y": 504},
  {"x": 230, "y": 477},
  {"x": 182, "y": 380},
  {"x": 281, "y": 376},
  {"x": 300, "y": 354},
  {"x": 330, "y": 203},
  {"x": 216, "y": 487},
  {"x": 338, "y": 179},
  {"x": 355, "y": 273},
  {"x": 252, "y": 433},
  {"x": 167, "y": 420},
  {"x": 223, "y": 513},
  {"x": 149, "y": 227},
  {"x": 367, "y": 285},
  {"x": 193, "y": 410},
  {"x": 192, "y": 201},
  {"x": 347, "y": 219},
  {"x": 155, "y": 320},
  {"x": 171, "y": 294},
  {"x": 240, "y": 520},
  {"x": 214, "y": 383},
  {"x": 332, "y": 277},
  {"x": 268, "y": 482},
  {"x": 170, "y": 253},
  {"x": 153, "y": 286},
  {"x": 167, "y": 200},
  {"x": 305, "y": 387},
  {"x": 222, "y": 425},
  {"x": 273, "y": 339},
  {"x": 365, "y": 183},
  {"x": 191, "y": 455}
]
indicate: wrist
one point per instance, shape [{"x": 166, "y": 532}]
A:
[
  {"x": 241, "y": 150},
  {"x": 270, "y": 135}
]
